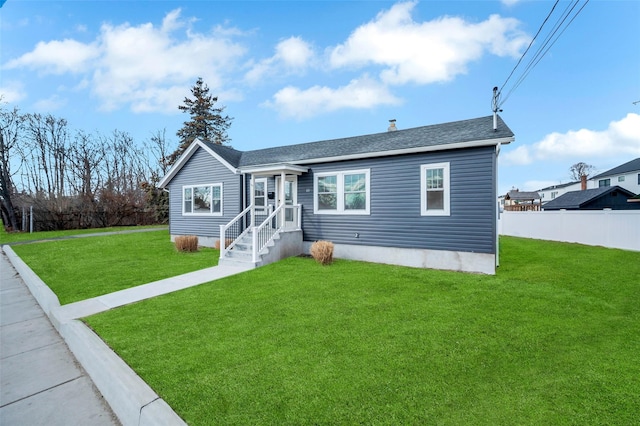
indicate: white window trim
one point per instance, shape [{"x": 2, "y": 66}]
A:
[
  {"x": 266, "y": 193},
  {"x": 446, "y": 211},
  {"x": 340, "y": 192},
  {"x": 212, "y": 185}
]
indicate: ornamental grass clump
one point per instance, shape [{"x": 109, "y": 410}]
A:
[
  {"x": 187, "y": 243},
  {"x": 322, "y": 252},
  {"x": 227, "y": 243}
]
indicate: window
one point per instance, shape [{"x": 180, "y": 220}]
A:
[
  {"x": 604, "y": 183},
  {"x": 434, "y": 189},
  {"x": 202, "y": 200},
  {"x": 620, "y": 178},
  {"x": 345, "y": 192},
  {"x": 638, "y": 178},
  {"x": 260, "y": 192},
  {"x": 554, "y": 194}
]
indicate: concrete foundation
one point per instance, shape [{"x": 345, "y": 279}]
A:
[{"x": 417, "y": 258}]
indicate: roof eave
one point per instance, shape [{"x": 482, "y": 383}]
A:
[
  {"x": 197, "y": 143},
  {"x": 414, "y": 150},
  {"x": 274, "y": 168}
]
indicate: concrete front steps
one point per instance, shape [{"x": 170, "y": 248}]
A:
[{"x": 284, "y": 244}]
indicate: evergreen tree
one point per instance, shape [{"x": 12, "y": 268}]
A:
[{"x": 206, "y": 120}]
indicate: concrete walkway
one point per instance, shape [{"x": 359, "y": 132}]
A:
[
  {"x": 129, "y": 397},
  {"x": 41, "y": 383}
]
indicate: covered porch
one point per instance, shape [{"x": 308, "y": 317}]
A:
[{"x": 254, "y": 235}]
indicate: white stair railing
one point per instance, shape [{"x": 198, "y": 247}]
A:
[
  {"x": 234, "y": 230},
  {"x": 265, "y": 232},
  {"x": 262, "y": 234}
]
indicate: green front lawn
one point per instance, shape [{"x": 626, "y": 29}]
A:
[
  {"x": 553, "y": 338},
  {"x": 82, "y": 268},
  {"x": 14, "y": 237}
]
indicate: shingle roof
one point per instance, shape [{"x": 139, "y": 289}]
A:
[
  {"x": 576, "y": 199},
  {"x": 477, "y": 129},
  {"x": 229, "y": 154},
  {"x": 630, "y": 166},
  {"x": 522, "y": 195},
  {"x": 558, "y": 186}
]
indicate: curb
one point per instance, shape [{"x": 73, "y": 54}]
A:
[{"x": 130, "y": 398}]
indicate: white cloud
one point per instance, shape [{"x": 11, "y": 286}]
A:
[
  {"x": 292, "y": 55},
  {"x": 12, "y": 92},
  {"x": 621, "y": 138},
  {"x": 359, "y": 93},
  {"x": 145, "y": 67},
  {"x": 50, "y": 104},
  {"x": 149, "y": 67},
  {"x": 58, "y": 57},
  {"x": 426, "y": 52},
  {"x": 510, "y": 2}
]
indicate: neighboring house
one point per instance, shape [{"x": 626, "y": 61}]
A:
[
  {"x": 611, "y": 197},
  {"x": 554, "y": 191},
  {"x": 422, "y": 197},
  {"x": 520, "y": 201},
  {"x": 626, "y": 175}
]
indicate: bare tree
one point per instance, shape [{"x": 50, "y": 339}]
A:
[
  {"x": 581, "y": 169},
  {"x": 48, "y": 147},
  {"x": 11, "y": 128},
  {"x": 83, "y": 181},
  {"x": 159, "y": 147},
  {"x": 85, "y": 158}
]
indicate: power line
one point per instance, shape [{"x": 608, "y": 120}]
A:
[
  {"x": 528, "y": 47},
  {"x": 541, "y": 51}
]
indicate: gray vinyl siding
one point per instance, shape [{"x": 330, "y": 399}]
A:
[
  {"x": 203, "y": 169},
  {"x": 395, "y": 219}
]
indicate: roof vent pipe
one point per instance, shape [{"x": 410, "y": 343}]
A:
[{"x": 392, "y": 125}]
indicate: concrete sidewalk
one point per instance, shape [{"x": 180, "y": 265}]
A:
[
  {"x": 41, "y": 383},
  {"x": 129, "y": 397}
]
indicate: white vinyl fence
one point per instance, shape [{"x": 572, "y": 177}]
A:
[{"x": 608, "y": 228}]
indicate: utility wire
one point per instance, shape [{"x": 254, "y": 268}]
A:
[
  {"x": 540, "y": 54},
  {"x": 528, "y": 47},
  {"x": 537, "y": 56},
  {"x": 544, "y": 48}
]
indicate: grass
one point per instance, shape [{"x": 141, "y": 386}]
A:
[
  {"x": 82, "y": 268},
  {"x": 14, "y": 237},
  {"x": 553, "y": 338}
]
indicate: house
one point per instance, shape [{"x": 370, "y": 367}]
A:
[
  {"x": 607, "y": 197},
  {"x": 519, "y": 201},
  {"x": 554, "y": 191},
  {"x": 421, "y": 197},
  {"x": 626, "y": 175}
]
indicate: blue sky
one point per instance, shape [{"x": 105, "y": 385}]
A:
[{"x": 301, "y": 71}]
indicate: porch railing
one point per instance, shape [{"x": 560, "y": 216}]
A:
[
  {"x": 283, "y": 217},
  {"x": 271, "y": 222},
  {"x": 233, "y": 230}
]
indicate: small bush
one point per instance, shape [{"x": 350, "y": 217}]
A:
[
  {"x": 187, "y": 243},
  {"x": 228, "y": 242},
  {"x": 322, "y": 252}
]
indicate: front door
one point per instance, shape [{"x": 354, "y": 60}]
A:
[{"x": 290, "y": 198}]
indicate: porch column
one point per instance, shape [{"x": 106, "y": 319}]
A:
[
  {"x": 283, "y": 178},
  {"x": 252, "y": 193}
]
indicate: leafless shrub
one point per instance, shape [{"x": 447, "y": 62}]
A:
[
  {"x": 187, "y": 243},
  {"x": 322, "y": 252},
  {"x": 227, "y": 243}
]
